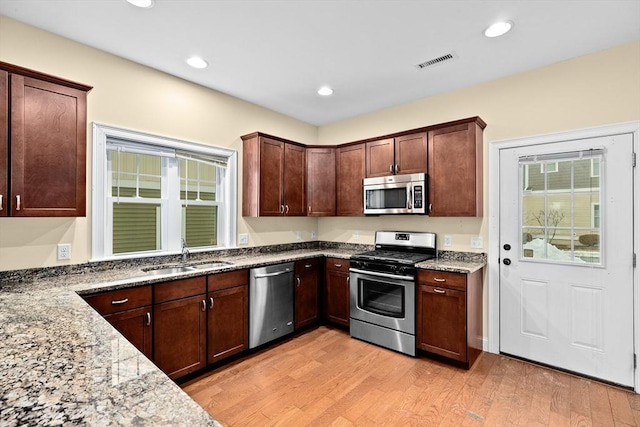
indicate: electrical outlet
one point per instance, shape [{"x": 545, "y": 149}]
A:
[
  {"x": 356, "y": 235},
  {"x": 448, "y": 241},
  {"x": 298, "y": 235},
  {"x": 314, "y": 235},
  {"x": 243, "y": 239},
  {"x": 476, "y": 242},
  {"x": 64, "y": 251}
]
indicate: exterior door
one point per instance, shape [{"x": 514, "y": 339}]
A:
[{"x": 566, "y": 253}]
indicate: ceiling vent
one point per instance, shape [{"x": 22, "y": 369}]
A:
[{"x": 435, "y": 61}]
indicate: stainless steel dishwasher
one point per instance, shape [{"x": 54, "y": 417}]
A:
[{"x": 270, "y": 303}]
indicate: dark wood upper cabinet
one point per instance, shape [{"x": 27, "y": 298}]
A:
[
  {"x": 350, "y": 171},
  {"x": 46, "y": 119},
  {"x": 321, "y": 181},
  {"x": 273, "y": 177},
  {"x": 401, "y": 155},
  {"x": 455, "y": 170}
]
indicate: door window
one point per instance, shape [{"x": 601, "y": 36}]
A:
[{"x": 560, "y": 211}]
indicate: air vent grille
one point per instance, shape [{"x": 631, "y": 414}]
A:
[{"x": 439, "y": 60}]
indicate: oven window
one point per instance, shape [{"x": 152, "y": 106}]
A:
[
  {"x": 387, "y": 198},
  {"x": 381, "y": 298}
]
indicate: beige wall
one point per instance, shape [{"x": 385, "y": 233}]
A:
[
  {"x": 588, "y": 91},
  {"x": 135, "y": 97}
]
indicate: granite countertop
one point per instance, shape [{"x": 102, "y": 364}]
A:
[{"x": 61, "y": 362}]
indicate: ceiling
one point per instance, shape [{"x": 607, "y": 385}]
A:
[{"x": 278, "y": 53}]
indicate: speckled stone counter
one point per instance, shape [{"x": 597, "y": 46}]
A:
[{"x": 62, "y": 363}]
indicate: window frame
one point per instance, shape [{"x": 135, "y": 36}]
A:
[{"x": 99, "y": 225}]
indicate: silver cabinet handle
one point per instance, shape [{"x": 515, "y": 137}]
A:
[
  {"x": 148, "y": 319},
  {"x": 438, "y": 291},
  {"x": 210, "y": 303},
  {"x": 437, "y": 279},
  {"x": 297, "y": 281},
  {"x": 120, "y": 301},
  {"x": 17, "y": 203},
  {"x": 204, "y": 305},
  {"x": 0, "y": 202}
]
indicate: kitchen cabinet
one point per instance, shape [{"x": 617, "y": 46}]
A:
[
  {"x": 307, "y": 301},
  {"x": 129, "y": 312},
  {"x": 336, "y": 291},
  {"x": 455, "y": 169},
  {"x": 449, "y": 315},
  {"x": 42, "y": 144},
  {"x": 227, "y": 315},
  {"x": 350, "y": 171},
  {"x": 180, "y": 329},
  {"x": 400, "y": 155},
  {"x": 321, "y": 182},
  {"x": 273, "y": 177}
]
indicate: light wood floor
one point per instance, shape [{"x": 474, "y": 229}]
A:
[{"x": 325, "y": 378}]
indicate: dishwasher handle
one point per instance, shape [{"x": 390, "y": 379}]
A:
[{"x": 277, "y": 273}]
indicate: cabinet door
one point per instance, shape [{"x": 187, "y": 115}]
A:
[
  {"x": 455, "y": 171},
  {"x": 4, "y": 142},
  {"x": 306, "y": 292},
  {"x": 350, "y": 171},
  {"x": 336, "y": 291},
  {"x": 380, "y": 158},
  {"x": 441, "y": 322},
  {"x": 228, "y": 323},
  {"x": 179, "y": 345},
  {"x": 48, "y": 146},
  {"x": 135, "y": 326},
  {"x": 294, "y": 175},
  {"x": 271, "y": 173},
  {"x": 411, "y": 153},
  {"x": 321, "y": 182}
]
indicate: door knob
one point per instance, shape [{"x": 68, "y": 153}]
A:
[
  {"x": 506, "y": 261},
  {"x": 507, "y": 247}
]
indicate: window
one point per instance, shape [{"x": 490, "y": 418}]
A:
[{"x": 152, "y": 192}]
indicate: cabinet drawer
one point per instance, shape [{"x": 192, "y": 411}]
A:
[
  {"x": 306, "y": 265},
  {"x": 120, "y": 300},
  {"x": 443, "y": 279},
  {"x": 337, "y": 264},
  {"x": 177, "y": 289},
  {"x": 216, "y": 282}
]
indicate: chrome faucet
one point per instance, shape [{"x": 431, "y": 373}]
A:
[{"x": 185, "y": 251}]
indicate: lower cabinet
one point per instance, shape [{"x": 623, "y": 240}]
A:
[
  {"x": 228, "y": 314},
  {"x": 307, "y": 286},
  {"x": 449, "y": 314},
  {"x": 180, "y": 328},
  {"x": 336, "y": 291},
  {"x": 129, "y": 312}
]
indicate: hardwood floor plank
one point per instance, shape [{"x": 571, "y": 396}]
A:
[{"x": 325, "y": 378}]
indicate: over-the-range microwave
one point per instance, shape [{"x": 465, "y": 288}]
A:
[{"x": 397, "y": 194}]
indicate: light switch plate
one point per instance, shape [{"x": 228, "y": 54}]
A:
[
  {"x": 476, "y": 242},
  {"x": 243, "y": 239}
]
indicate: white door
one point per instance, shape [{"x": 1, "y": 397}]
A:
[{"x": 566, "y": 255}]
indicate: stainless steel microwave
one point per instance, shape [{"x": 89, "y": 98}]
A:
[{"x": 396, "y": 194}]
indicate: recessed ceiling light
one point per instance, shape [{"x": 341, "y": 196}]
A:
[
  {"x": 325, "y": 91},
  {"x": 197, "y": 62},
  {"x": 498, "y": 29},
  {"x": 142, "y": 3}
]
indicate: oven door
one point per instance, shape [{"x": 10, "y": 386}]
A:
[{"x": 383, "y": 299}]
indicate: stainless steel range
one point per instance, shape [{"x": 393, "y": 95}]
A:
[{"x": 383, "y": 289}]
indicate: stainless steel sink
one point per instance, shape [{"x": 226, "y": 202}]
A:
[
  {"x": 168, "y": 270},
  {"x": 205, "y": 265}
]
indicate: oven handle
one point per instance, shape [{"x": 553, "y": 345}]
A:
[{"x": 385, "y": 275}]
